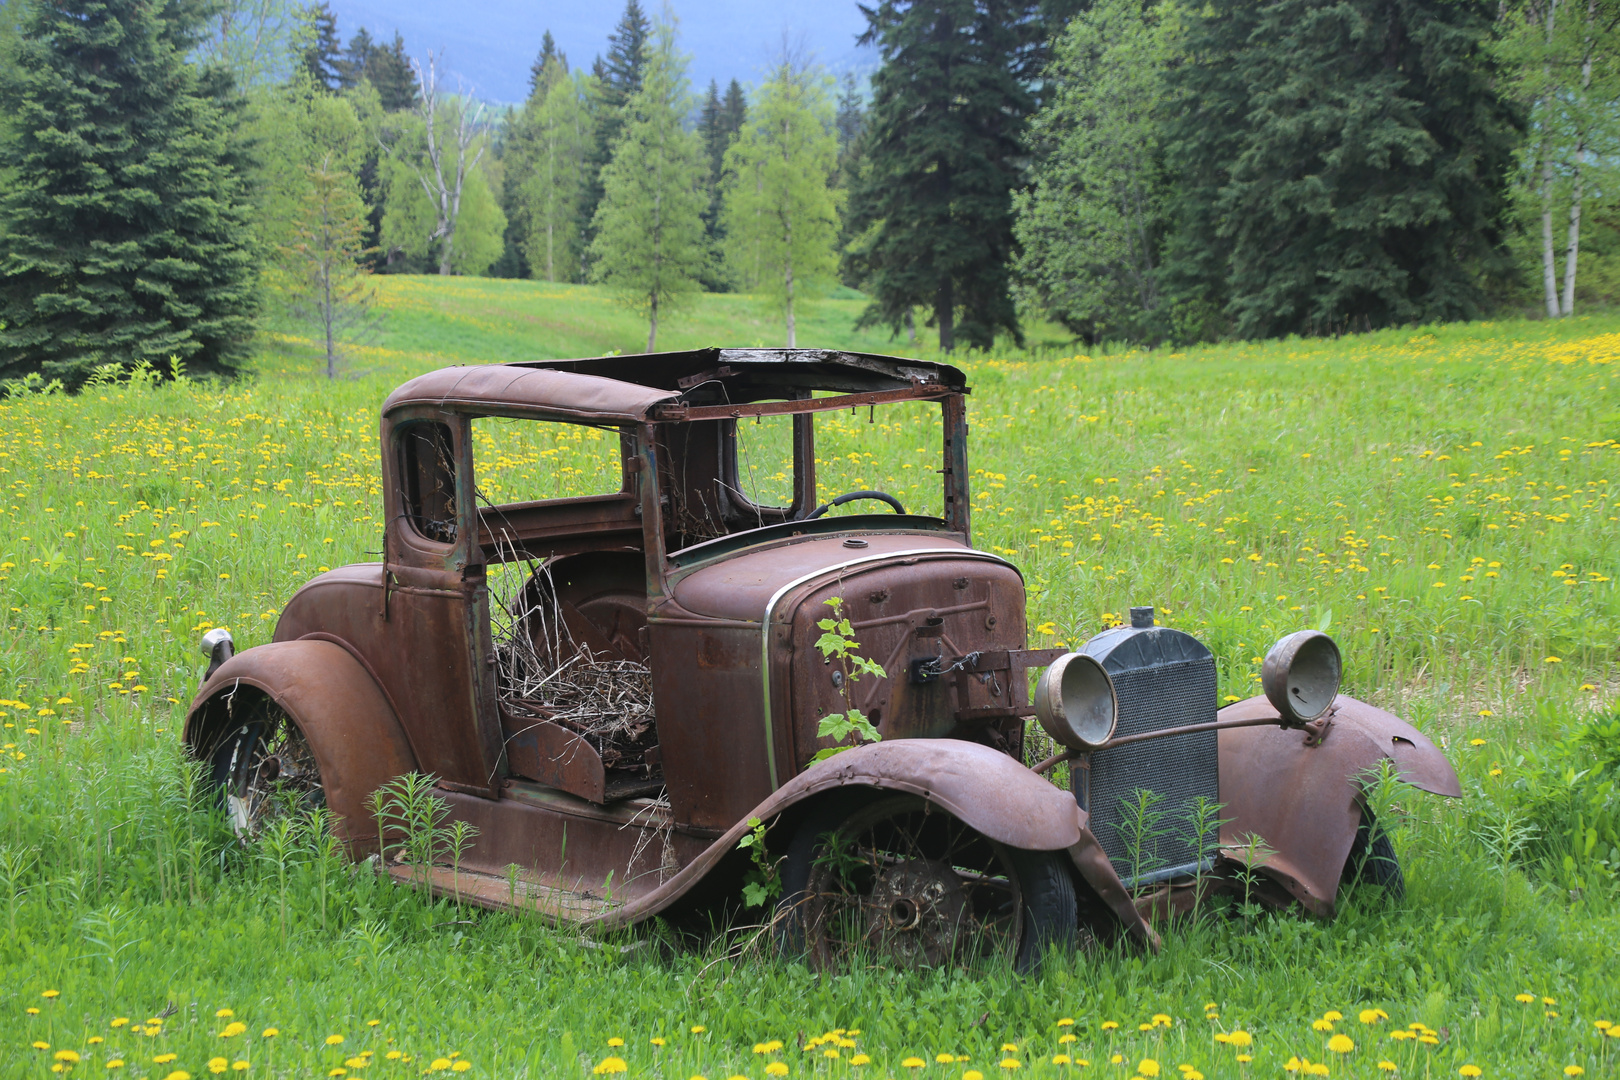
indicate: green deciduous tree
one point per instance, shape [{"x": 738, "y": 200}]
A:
[
  {"x": 296, "y": 129},
  {"x": 322, "y": 267},
  {"x": 781, "y": 210},
  {"x": 1339, "y": 164},
  {"x": 125, "y": 225},
  {"x": 1091, "y": 225},
  {"x": 932, "y": 205},
  {"x": 562, "y": 135},
  {"x": 650, "y": 246},
  {"x": 439, "y": 147},
  {"x": 1564, "y": 56},
  {"x": 259, "y": 42}
]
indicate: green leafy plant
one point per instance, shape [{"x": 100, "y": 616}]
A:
[
  {"x": 408, "y": 807},
  {"x": 764, "y": 881},
  {"x": 1141, "y": 824},
  {"x": 1202, "y": 817},
  {"x": 839, "y": 648}
]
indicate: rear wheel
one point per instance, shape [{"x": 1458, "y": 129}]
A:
[
  {"x": 1372, "y": 859},
  {"x": 263, "y": 768},
  {"x": 898, "y": 878}
]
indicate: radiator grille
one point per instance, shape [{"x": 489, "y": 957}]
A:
[{"x": 1164, "y": 678}]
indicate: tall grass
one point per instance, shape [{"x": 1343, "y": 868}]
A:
[{"x": 1440, "y": 499}]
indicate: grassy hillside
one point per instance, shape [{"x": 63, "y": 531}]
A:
[
  {"x": 436, "y": 321},
  {"x": 1440, "y": 498}
]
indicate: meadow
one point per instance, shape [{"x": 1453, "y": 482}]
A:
[{"x": 1440, "y": 499}]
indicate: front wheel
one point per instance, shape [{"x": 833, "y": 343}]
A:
[
  {"x": 1372, "y": 859},
  {"x": 263, "y": 768},
  {"x": 902, "y": 879}
]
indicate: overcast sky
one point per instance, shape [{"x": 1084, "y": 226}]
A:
[{"x": 491, "y": 43}]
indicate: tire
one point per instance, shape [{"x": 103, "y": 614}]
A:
[
  {"x": 894, "y": 876},
  {"x": 263, "y": 769},
  {"x": 1372, "y": 859}
]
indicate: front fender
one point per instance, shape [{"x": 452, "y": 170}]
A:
[
  {"x": 990, "y": 792},
  {"x": 337, "y": 706},
  {"x": 1303, "y": 802}
]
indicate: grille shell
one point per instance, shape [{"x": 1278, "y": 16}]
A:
[{"x": 1164, "y": 678}]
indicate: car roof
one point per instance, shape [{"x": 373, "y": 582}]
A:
[{"x": 626, "y": 389}]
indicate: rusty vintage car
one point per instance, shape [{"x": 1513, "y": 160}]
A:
[{"x": 646, "y": 685}]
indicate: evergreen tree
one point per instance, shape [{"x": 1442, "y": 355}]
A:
[
  {"x": 389, "y": 70},
  {"x": 617, "y": 79},
  {"x": 718, "y": 124},
  {"x": 356, "y": 61},
  {"x": 649, "y": 246},
  {"x": 781, "y": 210},
  {"x": 323, "y": 58},
  {"x": 1091, "y": 226},
  {"x": 1340, "y": 165},
  {"x": 933, "y": 205},
  {"x": 547, "y": 67},
  {"x": 126, "y": 225},
  {"x": 323, "y": 261},
  {"x": 851, "y": 116}
]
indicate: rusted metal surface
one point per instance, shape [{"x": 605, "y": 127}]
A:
[
  {"x": 1304, "y": 801},
  {"x": 393, "y": 666},
  {"x": 341, "y": 711}
]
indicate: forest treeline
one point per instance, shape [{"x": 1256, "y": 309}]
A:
[{"x": 1137, "y": 171}]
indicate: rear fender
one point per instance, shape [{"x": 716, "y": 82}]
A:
[
  {"x": 337, "y": 706},
  {"x": 1303, "y": 802},
  {"x": 989, "y": 791}
]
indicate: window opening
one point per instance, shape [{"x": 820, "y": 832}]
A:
[{"x": 428, "y": 480}]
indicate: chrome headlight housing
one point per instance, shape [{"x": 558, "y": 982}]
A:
[
  {"x": 1301, "y": 676},
  {"x": 1075, "y": 702}
]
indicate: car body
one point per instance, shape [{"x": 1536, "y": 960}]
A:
[{"x": 699, "y": 610}]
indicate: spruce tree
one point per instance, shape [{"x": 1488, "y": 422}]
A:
[
  {"x": 356, "y": 62},
  {"x": 933, "y": 205},
  {"x": 719, "y": 122},
  {"x": 547, "y": 67},
  {"x": 323, "y": 58},
  {"x": 125, "y": 224},
  {"x": 389, "y": 70},
  {"x": 1340, "y": 166},
  {"x": 650, "y": 246},
  {"x": 618, "y": 78}
]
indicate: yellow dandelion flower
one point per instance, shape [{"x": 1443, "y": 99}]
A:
[
  {"x": 1549, "y": 1001},
  {"x": 1387, "y": 1066},
  {"x": 178, "y": 1074},
  {"x": 1060, "y": 1059},
  {"x": 240, "y": 1066},
  {"x": 1316, "y": 1068},
  {"x": 1323, "y": 1024},
  {"x": 1239, "y": 1037},
  {"x": 1117, "y": 1059},
  {"x": 1148, "y": 1067},
  {"x": 607, "y": 1066},
  {"x": 1067, "y": 1021},
  {"x": 1602, "y": 1025},
  {"x": 461, "y": 1066},
  {"x": 69, "y": 1056},
  {"x": 776, "y": 1068},
  {"x": 270, "y": 1033},
  {"x": 373, "y": 1023},
  {"x": 1161, "y": 1020},
  {"x": 333, "y": 1040},
  {"x": 1470, "y": 1071},
  {"x": 912, "y": 1063},
  {"x": 1010, "y": 1063},
  {"x": 831, "y": 1052},
  {"x": 615, "y": 1041},
  {"x": 223, "y": 1014},
  {"x": 1372, "y": 1016},
  {"x": 48, "y": 994},
  {"x": 860, "y": 1059},
  {"x": 944, "y": 1059},
  {"x": 1110, "y": 1025},
  {"x": 218, "y": 1065},
  {"x": 656, "y": 1040},
  {"x": 1244, "y": 1059},
  {"x": 337, "y": 1070},
  {"x": 95, "y": 1040},
  {"x": 1292, "y": 1064},
  {"x": 31, "y": 1011},
  {"x": 164, "y": 1059},
  {"x": 233, "y": 1029},
  {"x": 1066, "y": 1038},
  {"x": 1341, "y": 1044},
  {"x": 1333, "y": 1014},
  {"x": 1428, "y": 1040},
  {"x": 119, "y": 1021},
  {"x": 973, "y": 1074},
  {"x": 116, "y": 1063},
  {"x": 1574, "y": 1070}
]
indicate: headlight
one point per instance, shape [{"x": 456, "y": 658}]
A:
[
  {"x": 1301, "y": 676},
  {"x": 1075, "y": 702}
]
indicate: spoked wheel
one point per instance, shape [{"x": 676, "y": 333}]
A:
[
  {"x": 1372, "y": 859},
  {"x": 908, "y": 882},
  {"x": 264, "y": 768}
]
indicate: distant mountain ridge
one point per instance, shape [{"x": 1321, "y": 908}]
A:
[{"x": 491, "y": 43}]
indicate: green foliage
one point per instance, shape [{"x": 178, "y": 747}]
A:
[
  {"x": 423, "y": 219},
  {"x": 1563, "y": 805},
  {"x": 943, "y": 151},
  {"x": 385, "y": 68},
  {"x": 649, "y": 246},
  {"x": 260, "y": 42},
  {"x": 126, "y": 221},
  {"x": 1337, "y": 166},
  {"x": 719, "y": 122},
  {"x": 546, "y": 172},
  {"x": 837, "y": 645},
  {"x": 322, "y": 269},
  {"x": 780, "y": 216},
  {"x": 764, "y": 881},
  {"x": 618, "y": 78},
  {"x": 1091, "y": 226}
]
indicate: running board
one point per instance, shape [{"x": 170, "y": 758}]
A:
[{"x": 499, "y": 893}]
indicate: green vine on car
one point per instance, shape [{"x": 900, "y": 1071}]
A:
[
  {"x": 763, "y": 883},
  {"x": 837, "y": 645}
]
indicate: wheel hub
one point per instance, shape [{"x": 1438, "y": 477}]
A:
[{"x": 917, "y": 912}]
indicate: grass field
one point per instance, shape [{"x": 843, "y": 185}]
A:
[{"x": 1442, "y": 499}]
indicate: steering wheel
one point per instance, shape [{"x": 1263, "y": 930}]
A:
[{"x": 851, "y": 496}]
